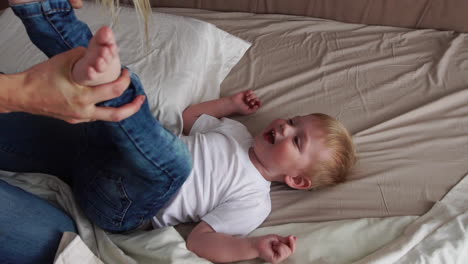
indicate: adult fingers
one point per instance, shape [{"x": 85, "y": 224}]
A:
[
  {"x": 120, "y": 113},
  {"x": 66, "y": 118},
  {"x": 4, "y": 110},
  {"x": 109, "y": 91}
]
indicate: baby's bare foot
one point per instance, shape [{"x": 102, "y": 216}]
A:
[{"x": 101, "y": 63}]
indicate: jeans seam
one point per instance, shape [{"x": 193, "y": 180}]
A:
[
  {"x": 52, "y": 10},
  {"x": 129, "y": 204},
  {"x": 124, "y": 212},
  {"x": 53, "y": 26}
]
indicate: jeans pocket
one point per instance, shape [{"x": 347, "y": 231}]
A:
[{"x": 106, "y": 201}]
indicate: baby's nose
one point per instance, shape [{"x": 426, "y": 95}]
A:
[{"x": 284, "y": 129}]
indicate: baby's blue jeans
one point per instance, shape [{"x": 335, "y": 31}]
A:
[{"x": 121, "y": 173}]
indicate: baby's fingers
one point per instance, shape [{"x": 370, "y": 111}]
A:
[
  {"x": 254, "y": 102},
  {"x": 289, "y": 241},
  {"x": 282, "y": 251},
  {"x": 292, "y": 243},
  {"x": 249, "y": 96}
]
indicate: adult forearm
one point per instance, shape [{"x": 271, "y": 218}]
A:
[
  {"x": 48, "y": 89},
  {"x": 10, "y": 84},
  {"x": 219, "y": 247}
]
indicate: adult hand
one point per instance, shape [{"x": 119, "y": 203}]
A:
[{"x": 47, "y": 89}]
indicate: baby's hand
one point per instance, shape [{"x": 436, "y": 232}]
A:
[
  {"x": 274, "y": 248},
  {"x": 246, "y": 102}
]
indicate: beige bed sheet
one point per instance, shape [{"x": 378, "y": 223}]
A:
[
  {"x": 402, "y": 93},
  {"x": 440, "y": 14}
]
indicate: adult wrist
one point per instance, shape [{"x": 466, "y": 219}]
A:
[{"x": 11, "y": 91}]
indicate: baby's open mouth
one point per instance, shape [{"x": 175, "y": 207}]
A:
[{"x": 270, "y": 136}]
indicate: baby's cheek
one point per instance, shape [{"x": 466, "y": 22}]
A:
[{"x": 282, "y": 153}]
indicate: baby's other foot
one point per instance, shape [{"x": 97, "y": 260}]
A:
[{"x": 101, "y": 63}]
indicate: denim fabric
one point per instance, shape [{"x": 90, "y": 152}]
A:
[
  {"x": 30, "y": 227},
  {"x": 121, "y": 173}
]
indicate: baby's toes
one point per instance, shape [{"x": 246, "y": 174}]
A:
[
  {"x": 113, "y": 50},
  {"x": 100, "y": 64},
  {"x": 106, "y": 54},
  {"x": 91, "y": 72}
]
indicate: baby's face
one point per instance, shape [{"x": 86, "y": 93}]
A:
[{"x": 288, "y": 147}]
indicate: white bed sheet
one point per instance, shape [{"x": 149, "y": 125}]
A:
[
  {"x": 440, "y": 236},
  {"x": 336, "y": 241}
]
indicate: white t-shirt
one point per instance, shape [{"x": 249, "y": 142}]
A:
[{"x": 224, "y": 188}]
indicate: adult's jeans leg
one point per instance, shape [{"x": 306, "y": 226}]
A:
[
  {"x": 32, "y": 143},
  {"x": 31, "y": 228},
  {"x": 130, "y": 169}
]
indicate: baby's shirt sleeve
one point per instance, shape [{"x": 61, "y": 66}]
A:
[
  {"x": 206, "y": 124},
  {"x": 239, "y": 217}
]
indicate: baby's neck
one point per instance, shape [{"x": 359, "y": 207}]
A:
[{"x": 258, "y": 165}]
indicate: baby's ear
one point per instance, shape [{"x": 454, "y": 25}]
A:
[{"x": 298, "y": 182}]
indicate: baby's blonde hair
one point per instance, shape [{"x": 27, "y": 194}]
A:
[
  {"x": 342, "y": 154},
  {"x": 142, "y": 7}
]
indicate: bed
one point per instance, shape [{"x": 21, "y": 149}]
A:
[{"x": 403, "y": 94}]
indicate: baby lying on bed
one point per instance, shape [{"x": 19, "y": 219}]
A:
[{"x": 227, "y": 191}]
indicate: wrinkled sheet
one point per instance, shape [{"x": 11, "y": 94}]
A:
[
  {"x": 440, "y": 236},
  {"x": 336, "y": 241},
  {"x": 447, "y": 15}
]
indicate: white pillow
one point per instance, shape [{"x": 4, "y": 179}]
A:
[{"x": 184, "y": 61}]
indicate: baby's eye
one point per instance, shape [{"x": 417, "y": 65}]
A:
[
  {"x": 290, "y": 121},
  {"x": 296, "y": 141}
]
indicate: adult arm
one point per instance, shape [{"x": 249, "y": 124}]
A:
[
  {"x": 48, "y": 89},
  {"x": 218, "y": 247},
  {"x": 244, "y": 103}
]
